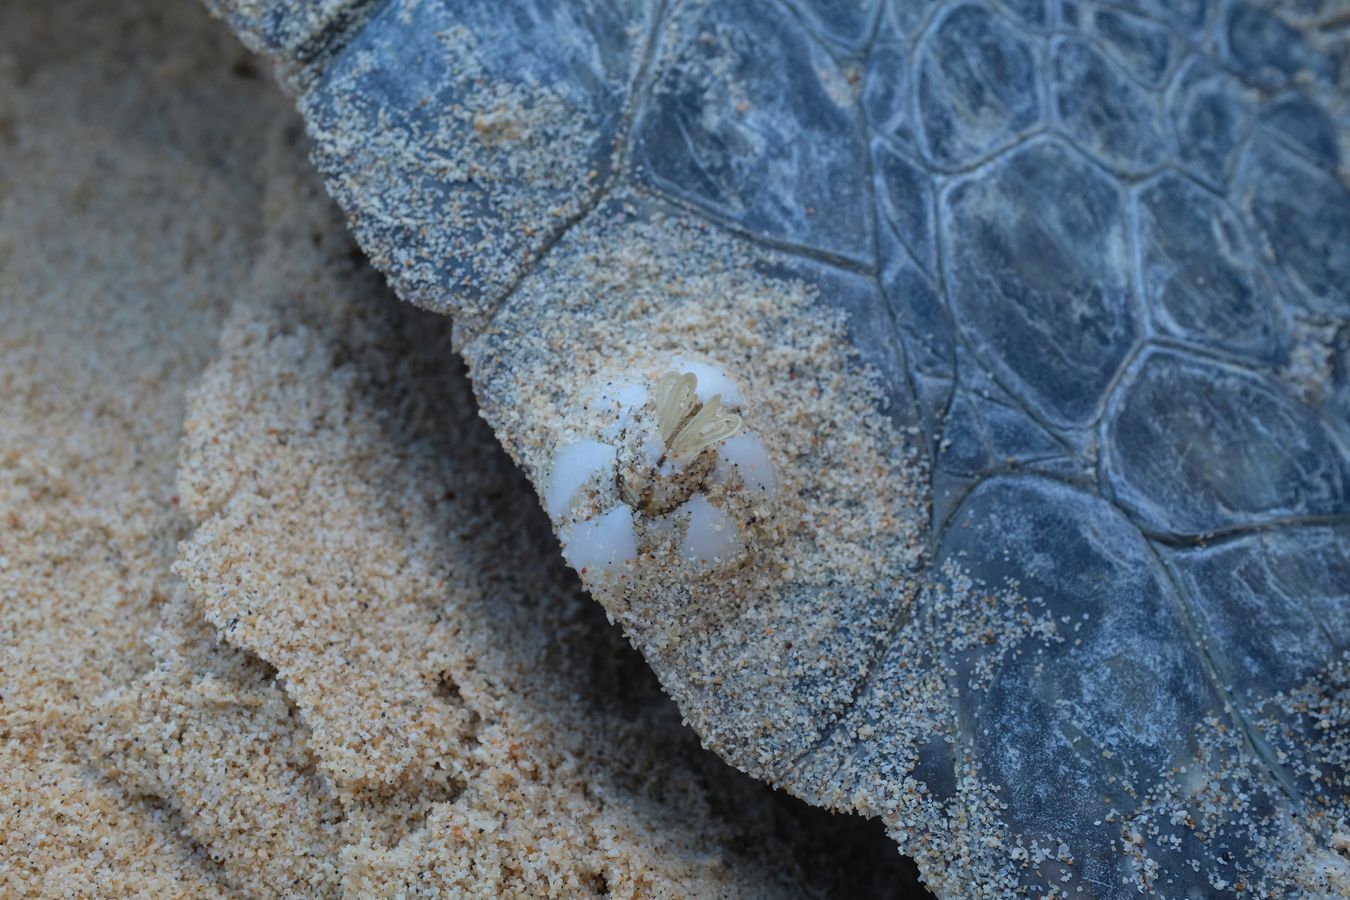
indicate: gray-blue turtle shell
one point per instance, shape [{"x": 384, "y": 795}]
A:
[{"x": 1108, "y": 249}]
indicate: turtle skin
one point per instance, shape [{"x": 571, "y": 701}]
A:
[{"x": 1103, "y": 254}]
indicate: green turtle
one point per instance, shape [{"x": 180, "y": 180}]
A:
[{"x": 949, "y": 398}]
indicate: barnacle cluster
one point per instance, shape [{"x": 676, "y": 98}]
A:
[{"x": 659, "y": 473}]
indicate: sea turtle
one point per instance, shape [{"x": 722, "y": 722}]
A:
[{"x": 1039, "y": 311}]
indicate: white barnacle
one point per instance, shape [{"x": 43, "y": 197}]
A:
[{"x": 659, "y": 468}]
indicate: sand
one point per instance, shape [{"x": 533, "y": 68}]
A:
[{"x": 125, "y": 215}]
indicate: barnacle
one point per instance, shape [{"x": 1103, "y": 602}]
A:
[{"x": 645, "y": 471}]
